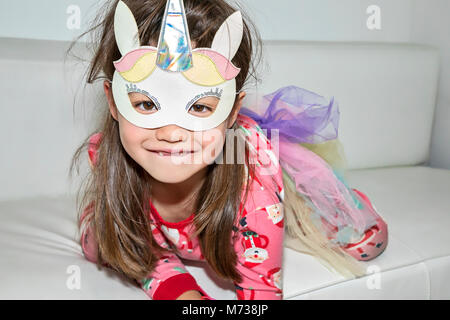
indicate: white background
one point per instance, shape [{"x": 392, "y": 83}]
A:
[{"x": 417, "y": 21}]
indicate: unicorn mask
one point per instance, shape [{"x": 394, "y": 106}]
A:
[{"x": 173, "y": 76}]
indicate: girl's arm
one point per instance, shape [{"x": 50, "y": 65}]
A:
[
  {"x": 259, "y": 250},
  {"x": 259, "y": 246},
  {"x": 190, "y": 295},
  {"x": 169, "y": 280},
  {"x": 88, "y": 243}
]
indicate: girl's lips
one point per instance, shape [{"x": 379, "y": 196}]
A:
[{"x": 167, "y": 154}]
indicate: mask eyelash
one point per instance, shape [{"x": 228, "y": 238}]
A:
[
  {"x": 211, "y": 93},
  {"x": 133, "y": 88}
]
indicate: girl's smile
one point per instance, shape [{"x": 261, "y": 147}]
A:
[
  {"x": 173, "y": 154},
  {"x": 157, "y": 150}
]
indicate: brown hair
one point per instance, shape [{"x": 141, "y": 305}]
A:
[{"x": 118, "y": 190}]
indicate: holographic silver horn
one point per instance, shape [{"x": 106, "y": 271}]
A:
[{"x": 174, "y": 45}]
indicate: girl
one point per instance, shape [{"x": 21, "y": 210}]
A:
[{"x": 179, "y": 172}]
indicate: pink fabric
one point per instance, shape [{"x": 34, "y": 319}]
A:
[
  {"x": 259, "y": 233},
  {"x": 316, "y": 180},
  {"x": 92, "y": 149},
  {"x": 88, "y": 243},
  {"x": 374, "y": 240}
]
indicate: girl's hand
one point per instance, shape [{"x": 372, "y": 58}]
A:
[{"x": 190, "y": 295}]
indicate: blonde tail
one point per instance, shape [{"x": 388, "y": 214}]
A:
[{"x": 303, "y": 236}]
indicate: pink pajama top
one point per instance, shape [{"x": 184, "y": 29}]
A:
[{"x": 258, "y": 233}]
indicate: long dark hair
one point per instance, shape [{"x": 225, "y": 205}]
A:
[{"x": 117, "y": 191}]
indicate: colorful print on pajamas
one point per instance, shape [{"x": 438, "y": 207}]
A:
[
  {"x": 374, "y": 240},
  {"x": 258, "y": 233}
]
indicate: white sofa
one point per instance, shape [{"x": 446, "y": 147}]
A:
[{"x": 386, "y": 94}]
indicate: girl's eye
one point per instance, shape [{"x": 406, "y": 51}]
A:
[
  {"x": 199, "y": 108},
  {"x": 142, "y": 103},
  {"x": 144, "y": 106}
]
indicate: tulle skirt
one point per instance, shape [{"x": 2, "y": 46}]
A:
[{"x": 314, "y": 160}]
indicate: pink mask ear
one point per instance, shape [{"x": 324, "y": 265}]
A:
[
  {"x": 128, "y": 61},
  {"x": 225, "y": 67}
]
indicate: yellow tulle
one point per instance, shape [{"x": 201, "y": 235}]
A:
[{"x": 332, "y": 151}]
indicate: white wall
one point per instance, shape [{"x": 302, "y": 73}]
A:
[
  {"x": 329, "y": 20},
  {"x": 418, "y": 21},
  {"x": 317, "y": 20},
  {"x": 413, "y": 21},
  {"x": 45, "y": 19},
  {"x": 431, "y": 25}
]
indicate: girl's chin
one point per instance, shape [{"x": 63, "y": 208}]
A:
[{"x": 175, "y": 177}]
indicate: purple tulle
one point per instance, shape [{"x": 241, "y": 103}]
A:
[{"x": 301, "y": 116}]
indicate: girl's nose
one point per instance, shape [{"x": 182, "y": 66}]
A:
[{"x": 172, "y": 133}]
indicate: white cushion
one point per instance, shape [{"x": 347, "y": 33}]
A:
[
  {"x": 386, "y": 93},
  {"x": 39, "y": 242},
  {"x": 376, "y": 85}
]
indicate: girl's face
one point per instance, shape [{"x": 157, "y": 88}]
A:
[{"x": 143, "y": 144}]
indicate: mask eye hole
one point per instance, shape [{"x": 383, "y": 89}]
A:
[
  {"x": 142, "y": 103},
  {"x": 203, "y": 107}
]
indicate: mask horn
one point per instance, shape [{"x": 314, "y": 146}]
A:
[
  {"x": 125, "y": 29},
  {"x": 229, "y": 36},
  {"x": 174, "y": 45}
]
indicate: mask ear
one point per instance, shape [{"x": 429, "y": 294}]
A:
[
  {"x": 125, "y": 29},
  {"x": 229, "y": 36}
]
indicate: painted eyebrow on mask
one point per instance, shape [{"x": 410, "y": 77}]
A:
[
  {"x": 210, "y": 93},
  {"x": 131, "y": 87}
]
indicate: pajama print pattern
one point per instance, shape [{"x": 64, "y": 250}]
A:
[
  {"x": 259, "y": 233},
  {"x": 257, "y": 236}
]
